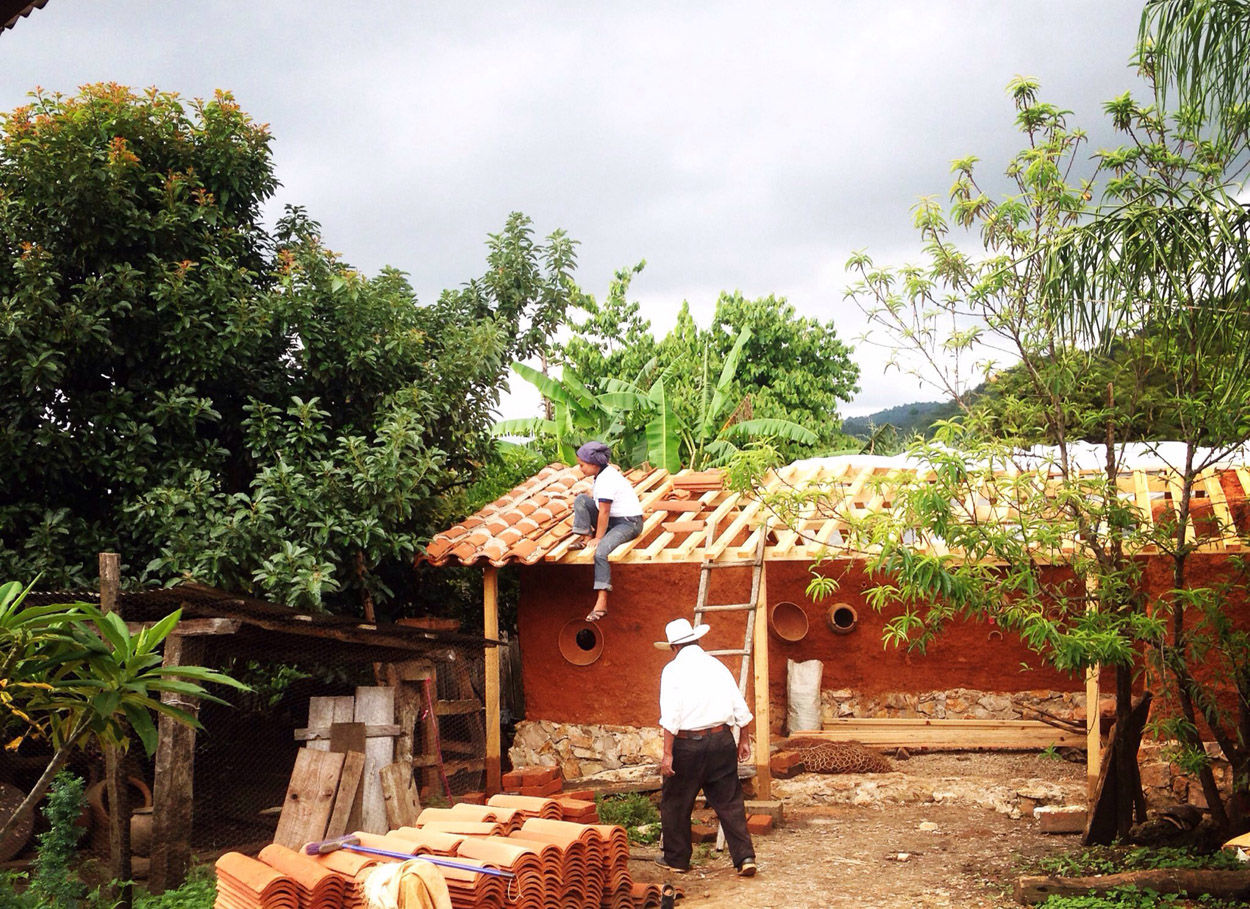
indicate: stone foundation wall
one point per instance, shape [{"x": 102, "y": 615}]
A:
[
  {"x": 956, "y": 704},
  {"x": 1165, "y": 783},
  {"x": 582, "y": 750}
]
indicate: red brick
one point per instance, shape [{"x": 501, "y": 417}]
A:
[
  {"x": 585, "y": 795},
  {"x": 703, "y": 833},
  {"x": 759, "y": 824},
  {"x": 472, "y": 798},
  {"x": 513, "y": 779}
]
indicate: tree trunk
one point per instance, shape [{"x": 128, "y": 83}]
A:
[
  {"x": 41, "y": 785},
  {"x": 1118, "y": 796},
  {"x": 1228, "y": 885}
]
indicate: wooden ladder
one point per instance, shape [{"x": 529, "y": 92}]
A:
[{"x": 702, "y": 607}]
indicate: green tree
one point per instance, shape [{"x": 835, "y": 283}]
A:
[
  {"x": 790, "y": 368},
  {"x": 1144, "y": 294},
  {"x": 215, "y": 401},
  {"x": 643, "y": 425}
]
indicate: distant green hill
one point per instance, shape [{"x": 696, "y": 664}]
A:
[{"x": 906, "y": 418}]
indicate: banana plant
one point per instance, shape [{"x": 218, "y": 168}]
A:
[
  {"x": 641, "y": 424},
  {"x": 75, "y": 673}
]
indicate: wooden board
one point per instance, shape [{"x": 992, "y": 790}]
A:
[
  {"x": 309, "y": 798},
  {"x": 349, "y": 739},
  {"x": 346, "y": 799},
  {"x": 683, "y": 526},
  {"x": 324, "y": 711},
  {"x": 399, "y": 790},
  {"x": 948, "y": 735},
  {"x": 375, "y": 706}
]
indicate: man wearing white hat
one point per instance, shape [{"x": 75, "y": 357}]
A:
[{"x": 699, "y": 705}]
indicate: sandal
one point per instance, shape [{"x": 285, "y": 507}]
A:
[
  {"x": 577, "y": 544},
  {"x": 596, "y": 615}
]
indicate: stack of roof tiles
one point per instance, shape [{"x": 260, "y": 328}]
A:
[
  {"x": 247, "y": 883},
  {"x": 317, "y": 887},
  {"x": 528, "y": 805},
  {"x": 554, "y": 864}
]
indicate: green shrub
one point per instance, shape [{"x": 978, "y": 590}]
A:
[
  {"x": 634, "y": 812},
  {"x": 199, "y": 892}
]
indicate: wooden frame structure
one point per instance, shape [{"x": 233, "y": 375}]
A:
[{"x": 690, "y": 517}]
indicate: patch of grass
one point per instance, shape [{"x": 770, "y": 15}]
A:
[
  {"x": 1132, "y": 898},
  {"x": 1113, "y": 859},
  {"x": 199, "y": 892},
  {"x": 633, "y": 811}
]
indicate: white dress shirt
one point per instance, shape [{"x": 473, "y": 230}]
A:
[{"x": 697, "y": 690}]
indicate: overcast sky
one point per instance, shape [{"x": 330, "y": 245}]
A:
[{"x": 734, "y": 146}]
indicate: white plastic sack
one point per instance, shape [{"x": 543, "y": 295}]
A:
[{"x": 803, "y": 695}]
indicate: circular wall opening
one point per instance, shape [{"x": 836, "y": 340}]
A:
[
  {"x": 788, "y": 621},
  {"x": 580, "y": 642},
  {"x": 842, "y": 618}
]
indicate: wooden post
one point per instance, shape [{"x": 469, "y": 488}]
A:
[
  {"x": 114, "y": 774},
  {"x": 763, "y": 717},
  {"x": 490, "y": 621},
  {"x": 1093, "y": 711},
  {"x": 172, "y": 787},
  {"x": 1093, "y": 731}
]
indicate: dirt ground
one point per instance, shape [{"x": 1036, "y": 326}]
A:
[{"x": 945, "y": 830}]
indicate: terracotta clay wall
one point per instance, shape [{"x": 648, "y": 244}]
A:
[{"x": 622, "y": 685}]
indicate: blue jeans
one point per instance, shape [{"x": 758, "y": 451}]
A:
[{"x": 620, "y": 530}]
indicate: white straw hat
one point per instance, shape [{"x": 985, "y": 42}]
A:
[{"x": 680, "y": 631}]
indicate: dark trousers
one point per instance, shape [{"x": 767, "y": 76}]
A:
[{"x": 709, "y": 763}]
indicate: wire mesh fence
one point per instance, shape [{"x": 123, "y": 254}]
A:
[{"x": 244, "y": 754}]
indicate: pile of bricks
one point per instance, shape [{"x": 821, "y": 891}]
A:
[
  {"x": 533, "y": 781},
  {"x": 551, "y": 861}
]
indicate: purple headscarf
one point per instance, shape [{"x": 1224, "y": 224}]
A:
[{"x": 594, "y": 453}]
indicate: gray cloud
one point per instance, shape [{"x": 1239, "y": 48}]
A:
[{"x": 733, "y": 145}]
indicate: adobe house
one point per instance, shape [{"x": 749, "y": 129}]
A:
[{"x": 591, "y": 691}]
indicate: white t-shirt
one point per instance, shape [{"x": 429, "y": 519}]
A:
[
  {"x": 611, "y": 485},
  {"x": 697, "y": 690}
]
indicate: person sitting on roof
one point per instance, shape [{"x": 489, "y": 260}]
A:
[{"x": 611, "y": 514}]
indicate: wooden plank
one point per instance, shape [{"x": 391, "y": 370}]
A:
[
  {"x": 399, "y": 790},
  {"x": 763, "y": 718},
  {"x": 1219, "y": 506},
  {"x": 490, "y": 619},
  {"x": 375, "y": 705},
  {"x": 954, "y": 735},
  {"x": 324, "y": 711},
  {"x": 309, "y": 798},
  {"x": 344, "y": 816},
  {"x": 188, "y": 627},
  {"x": 452, "y": 708},
  {"x": 172, "y": 790},
  {"x": 349, "y": 738},
  {"x": 323, "y": 734}
]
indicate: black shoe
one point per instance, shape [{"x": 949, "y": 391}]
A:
[
  {"x": 747, "y": 868},
  {"x": 667, "y": 867}
]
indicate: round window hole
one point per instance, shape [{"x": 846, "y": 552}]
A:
[
  {"x": 580, "y": 642},
  {"x": 842, "y": 618}
]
